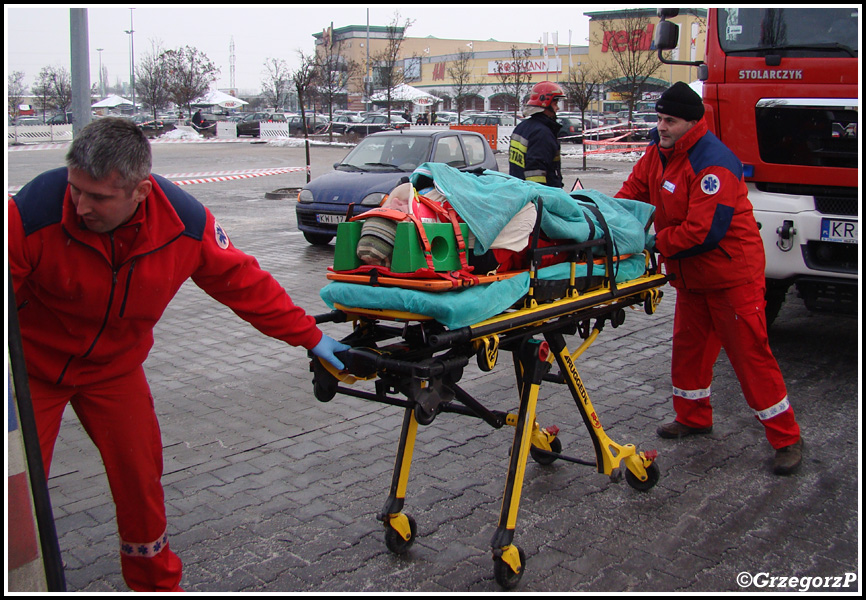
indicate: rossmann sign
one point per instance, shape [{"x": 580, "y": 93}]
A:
[{"x": 534, "y": 66}]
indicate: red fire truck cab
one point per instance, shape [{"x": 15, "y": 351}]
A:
[{"x": 780, "y": 86}]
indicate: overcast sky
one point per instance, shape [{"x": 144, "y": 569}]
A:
[{"x": 38, "y": 36}]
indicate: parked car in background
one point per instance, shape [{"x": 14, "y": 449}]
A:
[
  {"x": 148, "y": 123},
  {"x": 446, "y": 117},
  {"x": 60, "y": 119},
  {"x": 250, "y": 124},
  {"x": 314, "y": 124},
  {"x": 28, "y": 121},
  {"x": 503, "y": 119},
  {"x": 571, "y": 129},
  {"x": 643, "y": 123},
  {"x": 375, "y": 166},
  {"x": 341, "y": 122},
  {"x": 375, "y": 123}
]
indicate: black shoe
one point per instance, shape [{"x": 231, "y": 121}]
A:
[
  {"x": 675, "y": 430},
  {"x": 788, "y": 458}
]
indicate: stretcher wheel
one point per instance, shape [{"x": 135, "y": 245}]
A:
[
  {"x": 504, "y": 574},
  {"x": 653, "y": 475},
  {"x": 422, "y": 416},
  {"x": 545, "y": 458},
  {"x": 324, "y": 384},
  {"x": 395, "y": 542}
]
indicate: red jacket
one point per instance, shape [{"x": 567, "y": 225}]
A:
[
  {"x": 88, "y": 302},
  {"x": 705, "y": 230}
]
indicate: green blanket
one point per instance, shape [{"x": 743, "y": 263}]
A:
[{"x": 489, "y": 201}]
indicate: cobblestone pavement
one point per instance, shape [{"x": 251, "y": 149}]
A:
[{"x": 270, "y": 490}]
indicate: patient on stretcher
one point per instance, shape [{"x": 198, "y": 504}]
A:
[
  {"x": 508, "y": 252},
  {"x": 486, "y": 237}
]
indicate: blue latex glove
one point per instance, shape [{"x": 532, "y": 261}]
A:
[{"x": 326, "y": 348}]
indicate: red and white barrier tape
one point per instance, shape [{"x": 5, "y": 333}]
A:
[
  {"x": 60, "y": 145},
  {"x": 241, "y": 176},
  {"x": 212, "y": 176},
  {"x": 266, "y": 171},
  {"x": 618, "y": 146}
]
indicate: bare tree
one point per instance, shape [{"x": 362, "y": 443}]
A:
[
  {"x": 54, "y": 87},
  {"x": 303, "y": 79},
  {"x": 15, "y": 91},
  {"x": 514, "y": 76},
  {"x": 152, "y": 78},
  {"x": 334, "y": 70},
  {"x": 277, "y": 82},
  {"x": 390, "y": 75},
  {"x": 582, "y": 85},
  {"x": 629, "y": 42},
  {"x": 190, "y": 74},
  {"x": 464, "y": 83}
]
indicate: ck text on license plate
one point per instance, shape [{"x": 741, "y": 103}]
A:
[
  {"x": 837, "y": 230},
  {"x": 333, "y": 219}
]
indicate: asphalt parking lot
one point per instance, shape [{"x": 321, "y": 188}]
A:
[{"x": 270, "y": 490}]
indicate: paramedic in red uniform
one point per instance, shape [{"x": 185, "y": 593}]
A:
[
  {"x": 97, "y": 250},
  {"x": 709, "y": 241}
]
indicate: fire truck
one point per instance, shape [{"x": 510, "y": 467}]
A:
[{"x": 780, "y": 88}]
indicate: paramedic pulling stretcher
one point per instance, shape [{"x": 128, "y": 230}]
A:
[{"x": 412, "y": 347}]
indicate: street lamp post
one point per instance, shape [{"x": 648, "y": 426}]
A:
[
  {"x": 101, "y": 82},
  {"x": 130, "y": 32}
]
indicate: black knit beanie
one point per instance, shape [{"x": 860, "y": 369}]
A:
[{"x": 681, "y": 101}]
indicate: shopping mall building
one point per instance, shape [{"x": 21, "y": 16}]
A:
[{"x": 427, "y": 62}]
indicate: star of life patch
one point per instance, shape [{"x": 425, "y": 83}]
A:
[
  {"x": 222, "y": 239},
  {"x": 710, "y": 184}
]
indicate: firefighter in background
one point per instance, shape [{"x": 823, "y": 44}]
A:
[
  {"x": 709, "y": 241},
  {"x": 96, "y": 252},
  {"x": 534, "y": 152}
]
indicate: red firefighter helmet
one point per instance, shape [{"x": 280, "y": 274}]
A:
[{"x": 544, "y": 93}]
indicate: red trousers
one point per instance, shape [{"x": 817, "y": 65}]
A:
[
  {"x": 118, "y": 416},
  {"x": 732, "y": 319}
]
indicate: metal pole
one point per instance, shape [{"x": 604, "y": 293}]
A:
[
  {"x": 80, "y": 68},
  {"x": 51, "y": 558},
  {"x": 131, "y": 33},
  {"x": 367, "y": 86},
  {"x": 101, "y": 81}
]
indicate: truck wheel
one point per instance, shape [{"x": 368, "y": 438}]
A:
[{"x": 775, "y": 297}]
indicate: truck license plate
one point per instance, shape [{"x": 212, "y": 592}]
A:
[
  {"x": 332, "y": 219},
  {"x": 835, "y": 230}
]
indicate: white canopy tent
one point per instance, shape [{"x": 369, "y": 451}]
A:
[
  {"x": 111, "y": 101},
  {"x": 407, "y": 93},
  {"x": 218, "y": 98}
]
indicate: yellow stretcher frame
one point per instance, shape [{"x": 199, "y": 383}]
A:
[{"x": 427, "y": 378}]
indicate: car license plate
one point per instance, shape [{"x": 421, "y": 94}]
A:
[
  {"x": 331, "y": 219},
  {"x": 836, "y": 230}
]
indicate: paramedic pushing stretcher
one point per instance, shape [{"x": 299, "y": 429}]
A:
[
  {"x": 709, "y": 241},
  {"x": 96, "y": 252}
]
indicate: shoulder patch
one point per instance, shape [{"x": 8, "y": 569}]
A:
[
  {"x": 710, "y": 184},
  {"x": 222, "y": 239}
]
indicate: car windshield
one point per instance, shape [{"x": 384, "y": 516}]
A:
[{"x": 388, "y": 152}]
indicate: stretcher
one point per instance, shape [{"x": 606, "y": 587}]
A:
[{"x": 415, "y": 359}]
